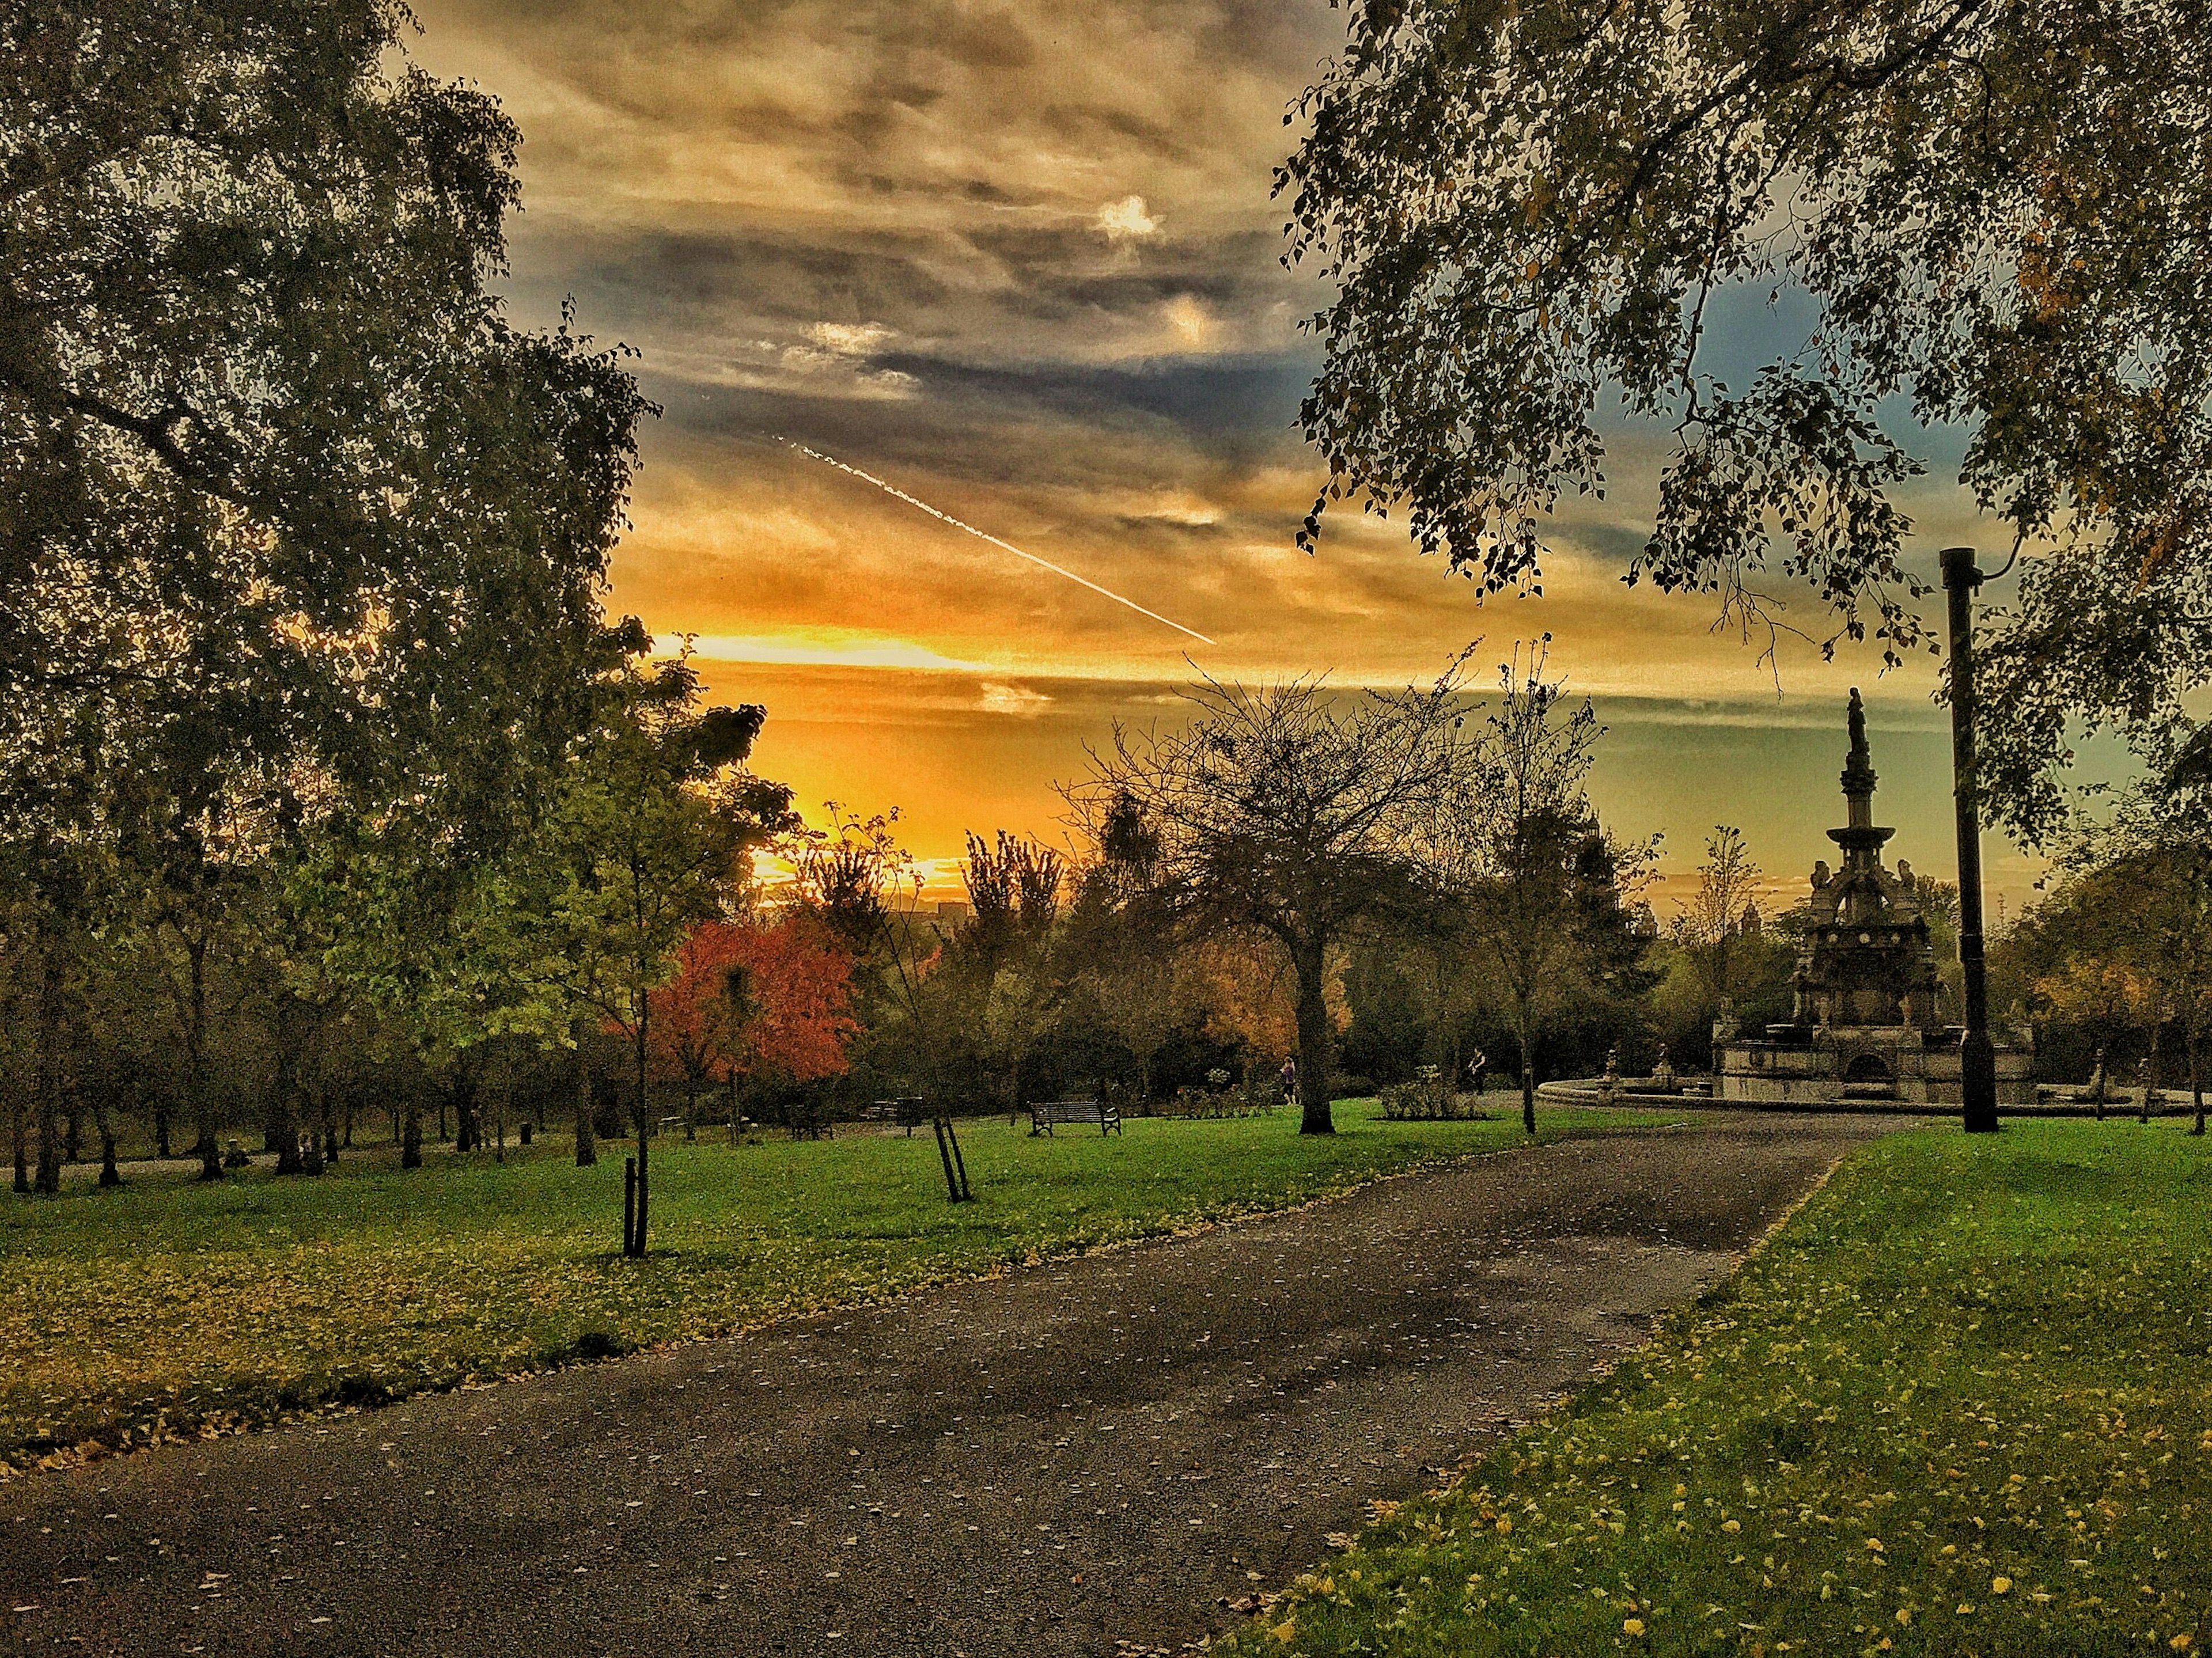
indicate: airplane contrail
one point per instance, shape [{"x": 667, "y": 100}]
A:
[{"x": 1005, "y": 546}]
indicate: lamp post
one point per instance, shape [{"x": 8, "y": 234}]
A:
[{"x": 1977, "y": 1056}]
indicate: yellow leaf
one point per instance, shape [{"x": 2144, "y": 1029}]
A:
[
  {"x": 1283, "y": 1630},
  {"x": 2000, "y": 1586},
  {"x": 1632, "y": 1626}
]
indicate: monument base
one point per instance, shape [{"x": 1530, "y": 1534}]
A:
[{"x": 1846, "y": 1064}]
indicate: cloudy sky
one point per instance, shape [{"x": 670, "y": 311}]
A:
[{"x": 1019, "y": 261}]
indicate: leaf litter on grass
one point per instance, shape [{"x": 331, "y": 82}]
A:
[
  {"x": 170, "y": 1309},
  {"x": 1958, "y": 1405}
]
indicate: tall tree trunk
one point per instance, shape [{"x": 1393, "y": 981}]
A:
[
  {"x": 2150, "y": 1070},
  {"x": 468, "y": 1118},
  {"x": 1309, "y": 963},
  {"x": 410, "y": 1130},
  {"x": 49, "y": 1072},
  {"x": 587, "y": 1151},
  {"x": 19, "y": 1135},
  {"x": 73, "y": 1129},
  {"x": 283, "y": 1125},
  {"x": 196, "y": 1077},
  {"x": 103, "y": 1120},
  {"x": 1527, "y": 1075},
  {"x": 162, "y": 1124},
  {"x": 2195, "y": 1077},
  {"x": 643, "y": 1123}
]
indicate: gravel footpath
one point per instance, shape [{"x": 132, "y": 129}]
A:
[{"x": 1095, "y": 1455}]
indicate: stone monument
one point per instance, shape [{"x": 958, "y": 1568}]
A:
[{"x": 1865, "y": 1026}]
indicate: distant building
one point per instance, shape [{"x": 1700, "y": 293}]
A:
[{"x": 952, "y": 911}]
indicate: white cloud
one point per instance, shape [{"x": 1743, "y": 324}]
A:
[
  {"x": 1193, "y": 326},
  {"x": 1016, "y": 700},
  {"x": 1126, "y": 221},
  {"x": 851, "y": 339}
]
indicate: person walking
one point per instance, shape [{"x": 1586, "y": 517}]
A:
[
  {"x": 1290, "y": 1080},
  {"x": 1478, "y": 1062}
]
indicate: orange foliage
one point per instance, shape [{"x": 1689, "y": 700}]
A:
[
  {"x": 766, "y": 995},
  {"x": 1241, "y": 983}
]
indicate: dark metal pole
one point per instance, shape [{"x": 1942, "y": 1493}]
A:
[{"x": 1977, "y": 1056}]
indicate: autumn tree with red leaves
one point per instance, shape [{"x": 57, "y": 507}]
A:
[{"x": 764, "y": 996}]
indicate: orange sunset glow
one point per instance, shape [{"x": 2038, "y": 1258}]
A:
[{"x": 1025, "y": 268}]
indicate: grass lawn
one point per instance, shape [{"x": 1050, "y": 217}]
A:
[
  {"x": 1961, "y": 1403},
  {"x": 167, "y": 1307}
]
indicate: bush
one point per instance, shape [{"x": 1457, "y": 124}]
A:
[{"x": 1430, "y": 1097}]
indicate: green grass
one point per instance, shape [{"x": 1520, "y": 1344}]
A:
[
  {"x": 168, "y": 1308},
  {"x": 1960, "y": 1403}
]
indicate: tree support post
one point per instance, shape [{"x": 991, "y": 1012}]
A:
[
  {"x": 959, "y": 1162},
  {"x": 1978, "y": 1058},
  {"x": 948, "y": 1152},
  {"x": 629, "y": 1207}
]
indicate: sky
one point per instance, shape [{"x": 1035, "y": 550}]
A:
[{"x": 1019, "y": 261}]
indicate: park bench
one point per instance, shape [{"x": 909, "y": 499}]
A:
[
  {"x": 1044, "y": 1114},
  {"x": 908, "y": 1114}
]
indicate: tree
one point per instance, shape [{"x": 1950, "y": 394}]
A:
[
  {"x": 436, "y": 940},
  {"x": 1125, "y": 970},
  {"x": 1391, "y": 991},
  {"x": 1720, "y": 923},
  {"x": 2136, "y": 896},
  {"x": 849, "y": 874},
  {"x": 760, "y": 995},
  {"x": 1239, "y": 987},
  {"x": 294, "y": 526},
  {"x": 1522, "y": 850},
  {"x": 652, "y": 835},
  {"x": 2105, "y": 997},
  {"x": 1004, "y": 951},
  {"x": 1995, "y": 211},
  {"x": 798, "y": 984},
  {"x": 194, "y": 812},
  {"x": 1277, "y": 809},
  {"x": 698, "y": 1014},
  {"x": 1132, "y": 995},
  {"x": 250, "y": 369}
]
